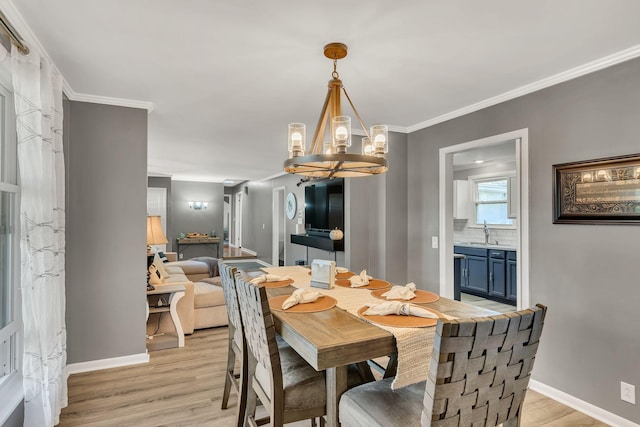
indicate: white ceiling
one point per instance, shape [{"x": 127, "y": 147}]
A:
[{"x": 226, "y": 77}]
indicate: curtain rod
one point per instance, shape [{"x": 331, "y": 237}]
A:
[{"x": 13, "y": 34}]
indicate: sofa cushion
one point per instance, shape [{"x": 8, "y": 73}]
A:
[
  {"x": 173, "y": 270},
  {"x": 213, "y": 280},
  {"x": 175, "y": 278},
  {"x": 207, "y": 295},
  {"x": 191, "y": 267}
]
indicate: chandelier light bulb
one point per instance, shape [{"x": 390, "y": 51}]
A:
[
  {"x": 296, "y": 140},
  {"x": 297, "y": 133},
  {"x": 341, "y": 134}
]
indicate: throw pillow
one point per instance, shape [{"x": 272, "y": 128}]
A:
[
  {"x": 163, "y": 257},
  {"x": 154, "y": 275},
  {"x": 160, "y": 267}
]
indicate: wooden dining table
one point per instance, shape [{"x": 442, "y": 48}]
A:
[{"x": 331, "y": 340}]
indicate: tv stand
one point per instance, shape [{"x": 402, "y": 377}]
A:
[{"x": 318, "y": 242}]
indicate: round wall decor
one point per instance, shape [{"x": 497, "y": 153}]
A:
[{"x": 291, "y": 205}]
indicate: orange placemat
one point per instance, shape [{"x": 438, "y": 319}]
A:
[
  {"x": 400, "y": 321},
  {"x": 342, "y": 275},
  {"x": 422, "y": 297},
  {"x": 279, "y": 284},
  {"x": 321, "y": 304},
  {"x": 373, "y": 284}
]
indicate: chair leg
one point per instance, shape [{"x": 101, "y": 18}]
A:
[
  {"x": 313, "y": 422},
  {"x": 252, "y": 397},
  {"x": 243, "y": 386},
  {"x": 231, "y": 361}
]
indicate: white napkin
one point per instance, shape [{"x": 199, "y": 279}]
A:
[
  {"x": 405, "y": 292},
  {"x": 399, "y": 308},
  {"x": 268, "y": 278},
  {"x": 360, "y": 280},
  {"x": 301, "y": 296},
  {"x": 342, "y": 270}
]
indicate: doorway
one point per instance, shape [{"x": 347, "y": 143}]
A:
[
  {"x": 237, "y": 235},
  {"x": 278, "y": 247},
  {"x": 226, "y": 218},
  {"x": 446, "y": 214}
]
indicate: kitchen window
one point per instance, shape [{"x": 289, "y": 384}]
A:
[{"x": 490, "y": 201}]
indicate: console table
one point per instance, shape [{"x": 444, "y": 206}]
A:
[
  {"x": 165, "y": 299},
  {"x": 207, "y": 241}
]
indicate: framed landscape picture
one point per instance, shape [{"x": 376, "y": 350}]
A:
[{"x": 602, "y": 191}]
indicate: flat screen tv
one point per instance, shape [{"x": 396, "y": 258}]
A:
[{"x": 324, "y": 206}]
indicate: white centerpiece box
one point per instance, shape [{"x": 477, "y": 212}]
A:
[{"x": 323, "y": 274}]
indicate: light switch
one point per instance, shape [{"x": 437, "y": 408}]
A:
[{"x": 434, "y": 242}]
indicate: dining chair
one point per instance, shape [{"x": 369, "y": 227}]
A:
[
  {"x": 288, "y": 387},
  {"x": 478, "y": 375},
  {"x": 236, "y": 344}
]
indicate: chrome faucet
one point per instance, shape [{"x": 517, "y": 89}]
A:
[{"x": 486, "y": 233}]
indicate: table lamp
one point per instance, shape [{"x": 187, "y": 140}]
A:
[{"x": 155, "y": 236}]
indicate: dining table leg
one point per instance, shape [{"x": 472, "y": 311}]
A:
[{"x": 336, "y": 380}]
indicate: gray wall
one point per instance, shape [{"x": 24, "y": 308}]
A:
[
  {"x": 585, "y": 274},
  {"x": 106, "y": 150},
  {"x": 164, "y": 182},
  {"x": 186, "y": 220}
]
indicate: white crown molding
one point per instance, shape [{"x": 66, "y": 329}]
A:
[
  {"x": 589, "y": 67},
  {"x": 580, "y": 405},
  {"x": 113, "y": 362},
  {"x": 97, "y": 99}
]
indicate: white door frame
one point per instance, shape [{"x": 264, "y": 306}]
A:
[
  {"x": 446, "y": 210},
  {"x": 237, "y": 237},
  {"x": 278, "y": 223}
]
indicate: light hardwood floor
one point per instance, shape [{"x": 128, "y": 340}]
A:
[{"x": 183, "y": 387}]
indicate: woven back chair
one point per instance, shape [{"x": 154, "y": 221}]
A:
[
  {"x": 236, "y": 344},
  {"x": 480, "y": 369},
  {"x": 287, "y": 386},
  {"x": 478, "y": 376}
]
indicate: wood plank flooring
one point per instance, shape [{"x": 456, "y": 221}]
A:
[
  {"x": 183, "y": 387},
  {"x": 486, "y": 303}
]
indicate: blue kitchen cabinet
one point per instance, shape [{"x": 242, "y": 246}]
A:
[
  {"x": 512, "y": 276},
  {"x": 497, "y": 273}
]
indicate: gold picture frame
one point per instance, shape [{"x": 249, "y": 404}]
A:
[{"x": 601, "y": 191}]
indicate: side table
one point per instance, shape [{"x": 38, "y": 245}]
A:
[{"x": 163, "y": 299}]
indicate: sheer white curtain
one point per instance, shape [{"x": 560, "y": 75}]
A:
[{"x": 38, "y": 103}]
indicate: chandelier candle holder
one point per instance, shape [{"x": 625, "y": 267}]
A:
[{"x": 330, "y": 159}]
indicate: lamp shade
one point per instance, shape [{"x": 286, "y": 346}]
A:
[{"x": 155, "y": 235}]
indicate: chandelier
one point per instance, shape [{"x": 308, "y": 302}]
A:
[{"x": 329, "y": 159}]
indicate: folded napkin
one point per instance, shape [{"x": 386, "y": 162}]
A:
[
  {"x": 405, "y": 292},
  {"x": 360, "y": 280},
  {"x": 342, "y": 270},
  {"x": 268, "y": 278},
  {"x": 399, "y": 308},
  {"x": 301, "y": 296}
]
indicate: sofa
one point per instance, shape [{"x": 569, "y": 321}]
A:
[{"x": 203, "y": 303}]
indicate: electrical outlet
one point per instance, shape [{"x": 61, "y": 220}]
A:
[{"x": 628, "y": 392}]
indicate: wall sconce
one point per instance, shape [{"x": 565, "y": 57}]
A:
[{"x": 198, "y": 205}]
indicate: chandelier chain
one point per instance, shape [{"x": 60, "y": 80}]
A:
[{"x": 335, "y": 74}]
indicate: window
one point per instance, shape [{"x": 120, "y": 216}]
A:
[
  {"x": 491, "y": 197},
  {"x": 10, "y": 320}
]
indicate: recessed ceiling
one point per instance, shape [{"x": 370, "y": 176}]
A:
[{"x": 225, "y": 78}]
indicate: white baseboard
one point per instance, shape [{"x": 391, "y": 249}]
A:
[
  {"x": 250, "y": 252},
  {"x": 580, "y": 405},
  {"x": 114, "y": 362}
]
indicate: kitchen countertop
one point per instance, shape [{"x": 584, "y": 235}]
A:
[{"x": 484, "y": 246}]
